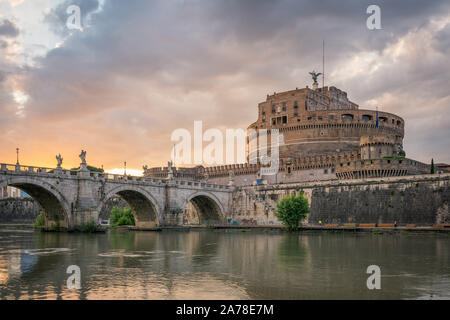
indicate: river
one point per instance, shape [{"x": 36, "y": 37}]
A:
[{"x": 222, "y": 264}]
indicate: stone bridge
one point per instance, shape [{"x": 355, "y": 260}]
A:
[{"x": 70, "y": 198}]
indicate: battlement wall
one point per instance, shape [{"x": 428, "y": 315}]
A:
[{"x": 388, "y": 167}]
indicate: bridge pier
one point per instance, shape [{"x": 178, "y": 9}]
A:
[{"x": 85, "y": 208}]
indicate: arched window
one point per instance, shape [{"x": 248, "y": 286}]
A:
[
  {"x": 347, "y": 116},
  {"x": 366, "y": 117}
]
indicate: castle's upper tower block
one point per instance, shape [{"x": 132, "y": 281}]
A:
[{"x": 322, "y": 121}]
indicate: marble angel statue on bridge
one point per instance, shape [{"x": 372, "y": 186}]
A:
[
  {"x": 83, "y": 156},
  {"x": 59, "y": 158}
]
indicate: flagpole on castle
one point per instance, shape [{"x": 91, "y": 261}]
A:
[{"x": 323, "y": 64}]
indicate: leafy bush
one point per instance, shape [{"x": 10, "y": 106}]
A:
[
  {"x": 292, "y": 210},
  {"x": 40, "y": 220},
  {"x": 121, "y": 217},
  {"x": 90, "y": 227}
]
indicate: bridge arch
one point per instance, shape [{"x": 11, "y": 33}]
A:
[
  {"x": 55, "y": 206},
  {"x": 142, "y": 203},
  {"x": 205, "y": 207}
]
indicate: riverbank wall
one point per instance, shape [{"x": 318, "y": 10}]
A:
[
  {"x": 18, "y": 210},
  {"x": 423, "y": 200}
]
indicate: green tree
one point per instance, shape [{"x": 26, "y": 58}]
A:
[
  {"x": 121, "y": 217},
  {"x": 292, "y": 210},
  {"x": 432, "y": 166},
  {"x": 40, "y": 220}
]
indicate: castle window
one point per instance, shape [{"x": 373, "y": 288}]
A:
[
  {"x": 325, "y": 171},
  {"x": 295, "y": 114},
  {"x": 399, "y": 123},
  {"x": 295, "y": 105},
  {"x": 320, "y": 118},
  {"x": 309, "y": 118},
  {"x": 393, "y": 121},
  {"x": 264, "y": 119},
  {"x": 383, "y": 119},
  {"x": 347, "y": 116},
  {"x": 298, "y": 120},
  {"x": 273, "y": 109},
  {"x": 284, "y": 119},
  {"x": 331, "y": 116},
  {"x": 263, "y": 111},
  {"x": 366, "y": 117},
  {"x": 284, "y": 106}
]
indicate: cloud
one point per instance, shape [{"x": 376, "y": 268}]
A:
[
  {"x": 8, "y": 29},
  {"x": 141, "y": 69},
  {"x": 57, "y": 17}
]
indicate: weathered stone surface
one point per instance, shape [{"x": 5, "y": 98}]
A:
[
  {"x": 18, "y": 210},
  {"x": 73, "y": 199},
  {"x": 418, "y": 202},
  {"x": 421, "y": 200}
]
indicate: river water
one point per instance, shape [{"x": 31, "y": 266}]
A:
[{"x": 222, "y": 264}]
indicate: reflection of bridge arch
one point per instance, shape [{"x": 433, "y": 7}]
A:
[
  {"x": 54, "y": 205},
  {"x": 142, "y": 203},
  {"x": 208, "y": 207}
]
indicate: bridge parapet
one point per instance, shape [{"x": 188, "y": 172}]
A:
[
  {"x": 202, "y": 185},
  {"x": 60, "y": 172},
  {"x": 23, "y": 169}
]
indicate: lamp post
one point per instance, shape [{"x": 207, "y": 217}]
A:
[
  {"x": 17, "y": 152},
  {"x": 125, "y": 168}
]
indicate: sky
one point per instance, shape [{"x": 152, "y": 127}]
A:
[{"x": 138, "y": 70}]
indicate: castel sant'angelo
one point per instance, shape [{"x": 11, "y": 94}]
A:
[{"x": 325, "y": 136}]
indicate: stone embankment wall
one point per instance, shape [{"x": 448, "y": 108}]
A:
[
  {"x": 421, "y": 200},
  {"x": 418, "y": 201},
  {"x": 18, "y": 210}
]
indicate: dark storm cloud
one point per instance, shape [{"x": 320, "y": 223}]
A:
[
  {"x": 148, "y": 67},
  {"x": 8, "y": 29}
]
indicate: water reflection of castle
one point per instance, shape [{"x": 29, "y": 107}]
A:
[{"x": 326, "y": 136}]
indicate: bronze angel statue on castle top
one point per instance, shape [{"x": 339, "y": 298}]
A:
[{"x": 314, "y": 76}]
